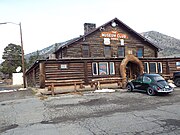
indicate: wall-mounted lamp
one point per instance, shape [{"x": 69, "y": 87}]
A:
[{"x": 113, "y": 24}]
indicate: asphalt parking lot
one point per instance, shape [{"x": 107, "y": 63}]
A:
[{"x": 119, "y": 113}]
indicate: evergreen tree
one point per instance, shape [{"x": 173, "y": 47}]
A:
[
  {"x": 33, "y": 58},
  {"x": 12, "y": 56}
]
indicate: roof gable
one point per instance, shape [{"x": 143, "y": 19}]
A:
[{"x": 119, "y": 23}]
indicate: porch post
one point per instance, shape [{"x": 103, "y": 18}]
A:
[
  {"x": 86, "y": 73},
  {"x": 42, "y": 74}
]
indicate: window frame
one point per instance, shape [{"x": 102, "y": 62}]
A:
[
  {"x": 161, "y": 68},
  {"x": 107, "y": 68},
  {"x": 145, "y": 78},
  {"x": 150, "y": 67},
  {"x": 121, "y": 56},
  {"x": 147, "y": 67},
  {"x": 113, "y": 68},
  {"x": 178, "y": 64},
  {"x": 109, "y": 54},
  {"x": 138, "y": 53},
  {"x": 96, "y": 66},
  {"x": 83, "y": 50}
]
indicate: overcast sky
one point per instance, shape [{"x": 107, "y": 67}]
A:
[{"x": 45, "y": 22}]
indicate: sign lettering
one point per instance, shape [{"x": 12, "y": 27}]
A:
[{"x": 113, "y": 35}]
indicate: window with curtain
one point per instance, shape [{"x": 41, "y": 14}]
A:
[
  {"x": 139, "y": 52},
  {"x": 103, "y": 68}
]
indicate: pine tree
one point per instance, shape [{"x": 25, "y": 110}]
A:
[{"x": 12, "y": 59}]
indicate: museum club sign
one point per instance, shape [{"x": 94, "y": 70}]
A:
[{"x": 113, "y": 35}]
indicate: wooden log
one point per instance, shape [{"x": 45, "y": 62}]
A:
[
  {"x": 86, "y": 73},
  {"x": 52, "y": 89},
  {"x": 42, "y": 75}
]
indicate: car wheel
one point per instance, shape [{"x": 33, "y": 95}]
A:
[
  {"x": 129, "y": 87},
  {"x": 150, "y": 91},
  {"x": 177, "y": 82}
]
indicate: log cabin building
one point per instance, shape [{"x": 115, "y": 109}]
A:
[{"x": 111, "y": 53}]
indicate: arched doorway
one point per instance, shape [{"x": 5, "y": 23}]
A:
[
  {"x": 132, "y": 70},
  {"x": 130, "y": 67}
]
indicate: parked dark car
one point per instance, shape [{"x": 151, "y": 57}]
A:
[
  {"x": 150, "y": 83},
  {"x": 176, "y": 78}
]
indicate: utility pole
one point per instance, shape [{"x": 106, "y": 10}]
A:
[{"x": 22, "y": 51}]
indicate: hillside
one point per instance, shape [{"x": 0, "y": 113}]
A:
[
  {"x": 170, "y": 46},
  {"x": 44, "y": 53}
]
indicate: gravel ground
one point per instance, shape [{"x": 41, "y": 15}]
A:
[
  {"x": 119, "y": 113},
  {"x": 16, "y": 95}
]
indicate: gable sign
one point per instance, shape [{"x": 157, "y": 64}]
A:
[{"x": 113, "y": 35}]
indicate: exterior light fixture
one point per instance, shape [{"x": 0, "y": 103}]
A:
[{"x": 113, "y": 24}]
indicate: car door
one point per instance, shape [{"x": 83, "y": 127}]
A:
[
  {"x": 138, "y": 83},
  {"x": 145, "y": 82}
]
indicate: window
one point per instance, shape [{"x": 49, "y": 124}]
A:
[
  {"x": 139, "y": 52},
  {"x": 160, "y": 67},
  {"x": 146, "y": 67},
  {"x": 107, "y": 51},
  {"x": 95, "y": 68},
  {"x": 103, "y": 68},
  {"x": 146, "y": 79},
  {"x": 85, "y": 50},
  {"x": 120, "y": 51},
  {"x": 139, "y": 78},
  {"x": 152, "y": 67},
  {"x": 178, "y": 65},
  {"x": 112, "y": 70},
  {"x": 64, "y": 53}
]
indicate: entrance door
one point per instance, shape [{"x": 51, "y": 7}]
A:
[{"x": 132, "y": 70}]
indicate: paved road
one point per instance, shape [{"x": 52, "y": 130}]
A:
[{"x": 119, "y": 113}]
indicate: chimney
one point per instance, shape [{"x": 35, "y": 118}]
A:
[{"x": 88, "y": 27}]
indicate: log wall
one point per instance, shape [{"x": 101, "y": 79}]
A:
[
  {"x": 80, "y": 71},
  {"x": 54, "y": 74},
  {"x": 96, "y": 45},
  {"x": 32, "y": 77}
]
